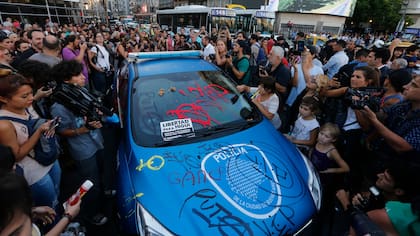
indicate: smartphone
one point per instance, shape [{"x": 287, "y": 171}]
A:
[
  {"x": 300, "y": 46},
  {"x": 55, "y": 122}
]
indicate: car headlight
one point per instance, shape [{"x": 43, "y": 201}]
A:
[
  {"x": 314, "y": 183},
  {"x": 147, "y": 225}
]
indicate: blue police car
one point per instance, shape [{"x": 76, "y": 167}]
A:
[{"x": 197, "y": 158}]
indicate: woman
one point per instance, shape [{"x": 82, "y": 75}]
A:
[
  {"x": 221, "y": 54},
  {"x": 17, "y": 209},
  {"x": 15, "y": 100},
  {"x": 352, "y": 121},
  {"x": 84, "y": 139},
  {"x": 265, "y": 99},
  {"x": 6, "y": 58},
  {"x": 101, "y": 67}
]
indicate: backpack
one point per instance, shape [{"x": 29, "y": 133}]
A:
[
  {"x": 261, "y": 58},
  {"x": 46, "y": 149}
]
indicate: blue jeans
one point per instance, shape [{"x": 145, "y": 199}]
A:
[
  {"x": 45, "y": 192},
  {"x": 99, "y": 81},
  {"x": 88, "y": 169}
]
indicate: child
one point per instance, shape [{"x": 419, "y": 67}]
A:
[
  {"x": 306, "y": 127},
  {"x": 331, "y": 167},
  {"x": 324, "y": 155}
]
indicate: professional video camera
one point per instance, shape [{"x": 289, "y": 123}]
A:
[
  {"x": 369, "y": 96},
  {"x": 79, "y": 101}
]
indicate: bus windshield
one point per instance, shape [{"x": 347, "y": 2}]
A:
[{"x": 197, "y": 16}]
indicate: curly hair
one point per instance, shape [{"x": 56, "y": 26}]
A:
[{"x": 65, "y": 70}]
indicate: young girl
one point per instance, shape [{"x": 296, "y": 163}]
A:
[
  {"x": 330, "y": 165},
  {"x": 305, "y": 129},
  {"x": 324, "y": 155}
]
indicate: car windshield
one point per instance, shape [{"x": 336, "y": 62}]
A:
[{"x": 185, "y": 107}]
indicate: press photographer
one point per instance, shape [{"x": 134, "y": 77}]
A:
[
  {"x": 398, "y": 185},
  {"x": 351, "y": 121},
  {"x": 81, "y": 132},
  {"x": 99, "y": 60}
]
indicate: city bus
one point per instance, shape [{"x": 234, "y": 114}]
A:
[
  {"x": 195, "y": 16},
  {"x": 253, "y": 20}
]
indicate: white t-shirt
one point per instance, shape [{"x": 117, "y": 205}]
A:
[
  {"x": 103, "y": 56},
  {"x": 272, "y": 105},
  {"x": 209, "y": 49},
  {"x": 351, "y": 120},
  {"x": 302, "y": 129}
]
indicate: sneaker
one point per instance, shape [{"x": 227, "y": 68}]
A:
[{"x": 98, "y": 219}]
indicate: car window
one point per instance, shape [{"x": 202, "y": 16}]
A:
[{"x": 201, "y": 99}]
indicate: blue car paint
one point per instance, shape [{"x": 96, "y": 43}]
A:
[{"x": 174, "y": 186}]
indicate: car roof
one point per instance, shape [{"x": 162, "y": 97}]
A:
[{"x": 155, "y": 63}]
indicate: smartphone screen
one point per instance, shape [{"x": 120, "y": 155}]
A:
[{"x": 301, "y": 45}]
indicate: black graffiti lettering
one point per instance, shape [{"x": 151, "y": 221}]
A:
[
  {"x": 289, "y": 217},
  {"x": 232, "y": 223},
  {"x": 265, "y": 230},
  {"x": 203, "y": 193},
  {"x": 276, "y": 229},
  {"x": 227, "y": 224},
  {"x": 192, "y": 161},
  {"x": 280, "y": 173}
]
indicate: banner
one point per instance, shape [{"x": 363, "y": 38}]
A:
[{"x": 332, "y": 7}]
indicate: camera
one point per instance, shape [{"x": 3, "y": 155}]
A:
[
  {"x": 374, "y": 201},
  {"x": 369, "y": 96},
  {"x": 212, "y": 57},
  {"x": 49, "y": 85},
  {"x": 80, "y": 101}
]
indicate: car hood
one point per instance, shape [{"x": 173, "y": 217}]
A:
[{"x": 251, "y": 182}]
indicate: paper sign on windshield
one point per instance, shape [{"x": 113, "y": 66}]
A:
[{"x": 176, "y": 128}]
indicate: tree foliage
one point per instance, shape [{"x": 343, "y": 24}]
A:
[{"x": 384, "y": 14}]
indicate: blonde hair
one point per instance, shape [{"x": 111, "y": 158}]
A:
[{"x": 332, "y": 129}]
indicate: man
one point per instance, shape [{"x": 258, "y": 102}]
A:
[
  {"x": 378, "y": 58},
  {"x": 76, "y": 50},
  {"x": 240, "y": 36},
  {"x": 350, "y": 50},
  {"x": 109, "y": 46},
  {"x": 50, "y": 50},
  {"x": 238, "y": 67},
  {"x": 400, "y": 128},
  {"x": 279, "y": 71},
  {"x": 208, "y": 48},
  {"x": 254, "y": 61},
  {"x": 342, "y": 78},
  {"x": 35, "y": 36},
  {"x": 399, "y": 192},
  {"x": 338, "y": 60}
]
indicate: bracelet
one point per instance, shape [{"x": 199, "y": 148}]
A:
[{"x": 68, "y": 216}]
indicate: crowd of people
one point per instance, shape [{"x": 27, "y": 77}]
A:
[{"x": 352, "y": 109}]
